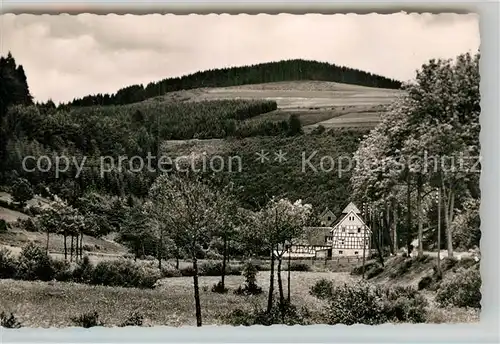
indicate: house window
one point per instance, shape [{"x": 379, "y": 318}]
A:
[
  {"x": 355, "y": 252},
  {"x": 329, "y": 218},
  {"x": 341, "y": 252},
  {"x": 359, "y": 230}
]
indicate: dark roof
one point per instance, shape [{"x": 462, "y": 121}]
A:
[{"x": 315, "y": 236}]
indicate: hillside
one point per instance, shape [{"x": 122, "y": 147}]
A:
[
  {"x": 287, "y": 70},
  {"x": 329, "y": 104},
  {"x": 258, "y": 181}
]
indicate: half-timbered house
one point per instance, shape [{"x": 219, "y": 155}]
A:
[{"x": 350, "y": 235}]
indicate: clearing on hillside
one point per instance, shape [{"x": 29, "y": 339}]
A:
[{"x": 314, "y": 102}]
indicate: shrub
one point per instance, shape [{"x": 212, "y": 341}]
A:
[
  {"x": 84, "y": 271},
  {"x": 233, "y": 270},
  {"x": 374, "y": 271},
  {"x": 286, "y": 313},
  {"x": 250, "y": 288},
  {"x": 462, "y": 290},
  {"x": 27, "y": 224},
  {"x": 8, "y": 264},
  {"x": 34, "y": 264},
  {"x": 125, "y": 274},
  {"x": 90, "y": 248},
  {"x": 42, "y": 190},
  {"x": 322, "y": 289},
  {"x": 187, "y": 271},
  {"x": 9, "y": 321},
  {"x": 134, "y": 319},
  {"x": 87, "y": 320},
  {"x": 371, "y": 305},
  {"x": 215, "y": 269},
  {"x": 22, "y": 191},
  {"x": 4, "y": 226},
  {"x": 217, "y": 288},
  {"x": 299, "y": 267},
  {"x": 358, "y": 270},
  {"x": 210, "y": 269},
  {"x": 213, "y": 255},
  {"x": 170, "y": 271},
  {"x": 425, "y": 282},
  {"x": 62, "y": 270}
]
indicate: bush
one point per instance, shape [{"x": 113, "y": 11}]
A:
[
  {"x": 425, "y": 282},
  {"x": 4, "y": 226},
  {"x": 134, "y": 319},
  {"x": 27, "y": 224},
  {"x": 8, "y": 264},
  {"x": 210, "y": 269},
  {"x": 62, "y": 270},
  {"x": 322, "y": 289},
  {"x": 34, "y": 264},
  {"x": 251, "y": 288},
  {"x": 124, "y": 273},
  {"x": 358, "y": 270},
  {"x": 22, "y": 191},
  {"x": 187, "y": 271},
  {"x": 462, "y": 290},
  {"x": 217, "y": 288},
  {"x": 9, "y": 321},
  {"x": 42, "y": 190},
  {"x": 87, "y": 320},
  {"x": 170, "y": 271},
  {"x": 372, "y": 305},
  {"x": 215, "y": 269},
  {"x": 299, "y": 267},
  {"x": 286, "y": 313},
  {"x": 91, "y": 248},
  {"x": 84, "y": 271},
  {"x": 374, "y": 271}
]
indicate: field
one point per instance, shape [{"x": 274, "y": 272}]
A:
[
  {"x": 314, "y": 102},
  {"x": 170, "y": 304}
]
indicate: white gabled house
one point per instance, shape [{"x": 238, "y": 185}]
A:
[
  {"x": 346, "y": 237},
  {"x": 350, "y": 234}
]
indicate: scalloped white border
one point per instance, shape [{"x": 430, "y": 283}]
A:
[{"x": 486, "y": 331}]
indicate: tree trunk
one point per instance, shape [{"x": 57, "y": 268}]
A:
[
  {"x": 81, "y": 245},
  {"x": 48, "y": 237},
  {"x": 65, "y": 247},
  {"x": 196, "y": 292},
  {"x": 77, "y": 247},
  {"x": 448, "y": 204},
  {"x": 408, "y": 215},
  {"x": 449, "y": 233},
  {"x": 377, "y": 243},
  {"x": 71, "y": 249},
  {"x": 439, "y": 273},
  {"x": 271, "y": 284},
  {"x": 364, "y": 251},
  {"x": 289, "y": 265},
  {"x": 280, "y": 282},
  {"x": 420, "y": 218},
  {"x": 160, "y": 249},
  {"x": 388, "y": 228},
  {"x": 224, "y": 257},
  {"x": 395, "y": 228},
  {"x": 177, "y": 262}
]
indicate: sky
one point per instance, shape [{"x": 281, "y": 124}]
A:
[{"x": 69, "y": 56}]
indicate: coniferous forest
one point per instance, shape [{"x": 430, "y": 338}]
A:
[{"x": 289, "y": 70}]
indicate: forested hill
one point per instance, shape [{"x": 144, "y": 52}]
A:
[{"x": 287, "y": 70}]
